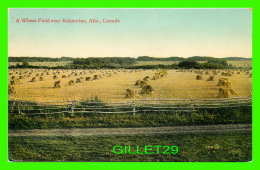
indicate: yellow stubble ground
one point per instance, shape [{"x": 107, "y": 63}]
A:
[{"x": 177, "y": 84}]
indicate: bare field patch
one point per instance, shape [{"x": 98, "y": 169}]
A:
[
  {"x": 112, "y": 84},
  {"x": 240, "y": 64},
  {"x": 243, "y": 64}
]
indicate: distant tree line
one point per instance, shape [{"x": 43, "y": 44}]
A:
[
  {"x": 193, "y": 58},
  {"x": 147, "y": 58},
  {"x": 183, "y": 65},
  {"x": 38, "y": 59},
  {"x": 237, "y": 59},
  {"x": 105, "y": 61},
  {"x": 112, "y": 59},
  {"x": 126, "y": 62},
  {"x": 210, "y": 64}
]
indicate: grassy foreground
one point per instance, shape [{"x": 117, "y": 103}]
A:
[
  {"x": 210, "y": 147},
  {"x": 203, "y": 117}
]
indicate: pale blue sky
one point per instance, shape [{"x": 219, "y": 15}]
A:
[{"x": 151, "y": 32}]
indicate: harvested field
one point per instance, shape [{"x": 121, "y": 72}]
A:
[{"x": 177, "y": 84}]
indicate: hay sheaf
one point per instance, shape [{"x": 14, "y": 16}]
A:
[
  {"x": 223, "y": 82},
  {"x": 154, "y": 78},
  {"x": 88, "y": 79},
  {"x": 11, "y": 90},
  {"x": 225, "y": 90},
  {"x": 33, "y": 79},
  {"x": 21, "y": 77},
  {"x": 226, "y": 74},
  {"x": 79, "y": 80},
  {"x": 198, "y": 77},
  {"x": 97, "y": 77},
  {"x": 129, "y": 93},
  {"x": 143, "y": 83},
  {"x": 57, "y": 84},
  {"x": 15, "y": 82},
  {"x": 138, "y": 82},
  {"x": 147, "y": 90},
  {"x": 147, "y": 79},
  {"x": 71, "y": 82},
  {"x": 211, "y": 78},
  {"x": 41, "y": 79},
  {"x": 161, "y": 73}
]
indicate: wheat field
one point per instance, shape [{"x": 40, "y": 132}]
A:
[{"x": 113, "y": 84}]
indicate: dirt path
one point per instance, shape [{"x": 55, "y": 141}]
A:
[{"x": 132, "y": 131}]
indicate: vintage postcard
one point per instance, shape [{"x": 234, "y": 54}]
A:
[{"x": 130, "y": 84}]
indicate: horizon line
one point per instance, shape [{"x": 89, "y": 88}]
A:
[{"x": 131, "y": 57}]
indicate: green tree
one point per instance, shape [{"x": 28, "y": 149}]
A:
[{"x": 188, "y": 64}]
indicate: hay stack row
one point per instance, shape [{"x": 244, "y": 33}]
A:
[
  {"x": 161, "y": 73},
  {"x": 142, "y": 83},
  {"x": 34, "y": 79},
  {"x": 199, "y": 77},
  {"x": 79, "y": 80},
  {"x": 146, "y": 89},
  {"x": 227, "y": 73}
]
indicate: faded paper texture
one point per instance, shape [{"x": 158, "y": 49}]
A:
[{"x": 130, "y": 85}]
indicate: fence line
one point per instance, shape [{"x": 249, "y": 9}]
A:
[{"x": 135, "y": 106}]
